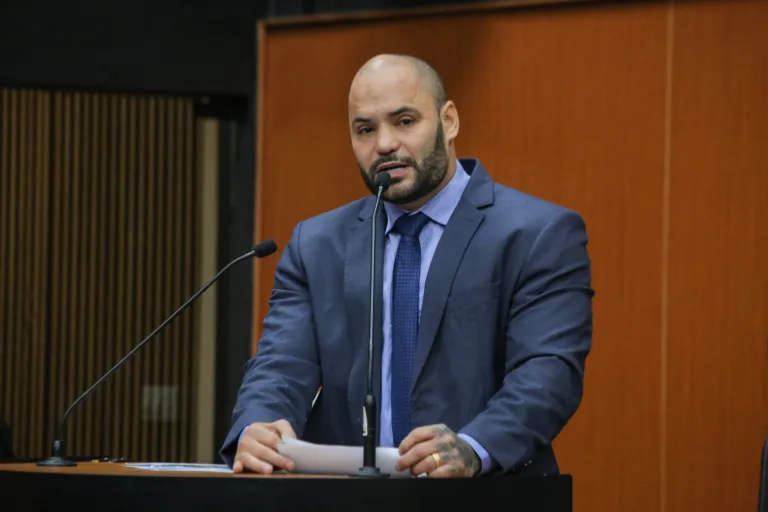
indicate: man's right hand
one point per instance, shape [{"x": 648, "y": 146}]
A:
[{"x": 257, "y": 449}]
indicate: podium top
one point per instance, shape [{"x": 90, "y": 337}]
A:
[
  {"x": 121, "y": 469},
  {"x": 115, "y": 486}
]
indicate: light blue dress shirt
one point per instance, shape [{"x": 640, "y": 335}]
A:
[{"x": 439, "y": 210}]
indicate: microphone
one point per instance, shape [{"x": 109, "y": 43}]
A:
[
  {"x": 369, "y": 470},
  {"x": 57, "y": 459}
]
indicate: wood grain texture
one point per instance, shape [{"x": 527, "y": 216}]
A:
[
  {"x": 564, "y": 103},
  {"x": 97, "y": 216},
  {"x": 718, "y": 258}
]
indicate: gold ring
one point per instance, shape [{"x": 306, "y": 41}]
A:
[{"x": 436, "y": 457}]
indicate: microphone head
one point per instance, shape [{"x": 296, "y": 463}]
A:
[
  {"x": 264, "y": 248},
  {"x": 383, "y": 180}
]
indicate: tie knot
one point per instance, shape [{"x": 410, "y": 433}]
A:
[{"x": 411, "y": 225}]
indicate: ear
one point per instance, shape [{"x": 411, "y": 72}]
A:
[{"x": 449, "y": 116}]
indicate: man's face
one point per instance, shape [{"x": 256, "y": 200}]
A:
[{"x": 395, "y": 126}]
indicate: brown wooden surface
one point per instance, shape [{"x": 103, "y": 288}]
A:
[
  {"x": 120, "y": 469},
  {"x": 649, "y": 118},
  {"x": 717, "y": 338},
  {"x": 97, "y": 236}
]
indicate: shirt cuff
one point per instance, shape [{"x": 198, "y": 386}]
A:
[
  {"x": 242, "y": 434},
  {"x": 485, "y": 457}
]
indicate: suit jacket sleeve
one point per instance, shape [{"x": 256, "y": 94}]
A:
[
  {"x": 548, "y": 337},
  {"x": 284, "y": 376}
]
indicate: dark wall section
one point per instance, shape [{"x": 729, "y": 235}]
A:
[
  {"x": 294, "y": 7},
  {"x": 183, "y": 46}
]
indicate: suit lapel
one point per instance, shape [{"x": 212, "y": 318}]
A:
[
  {"x": 458, "y": 233},
  {"x": 442, "y": 271},
  {"x": 356, "y": 297}
]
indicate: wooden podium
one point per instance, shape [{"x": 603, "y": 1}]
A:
[{"x": 113, "y": 486}]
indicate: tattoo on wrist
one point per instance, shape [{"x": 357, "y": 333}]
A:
[{"x": 456, "y": 453}]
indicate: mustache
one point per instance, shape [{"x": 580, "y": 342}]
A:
[{"x": 389, "y": 159}]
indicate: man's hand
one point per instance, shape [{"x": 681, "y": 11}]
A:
[
  {"x": 456, "y": 457},
  {"x": 257, "y": 450}
]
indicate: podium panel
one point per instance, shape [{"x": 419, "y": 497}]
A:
[{"x": 113, "y": 486}]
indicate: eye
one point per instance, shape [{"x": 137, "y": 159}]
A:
[
  {"x": 405, "y": 121},
  {"x": 364, "y": 130}
]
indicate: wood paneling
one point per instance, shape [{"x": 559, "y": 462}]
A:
[
  {"x": 24, "y": 229},
  {"x": 98, "y": 245},
  {"x": 543, "y": 100},
  {"x": 717, "y": 405},
  {"x": 650, "y": 118}
]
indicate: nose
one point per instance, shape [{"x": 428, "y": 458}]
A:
[{"x": 386, "y": 142}]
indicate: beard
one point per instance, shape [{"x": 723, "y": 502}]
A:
[{"x": 427, "y": 174}]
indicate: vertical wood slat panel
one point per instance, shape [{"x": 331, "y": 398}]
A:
[
  {"x": 22, "y": 223},
  {"x": 121, "y": 326},
  {"x": 57, "y": 284},
  {"x": 13, "y": 247},
  {"x": 42, "y": 232},
  {"x": 97, "y": 214},
  {"x": 94, "y": 250},
  {"x": 130, "y": 327},
  {"x": 114, "y": 387},
  {"x": 146, "y": 212},
  {"x": 105, "y": 275},
  {"x": 171, "y": 298},
  {"x": 5, "y": 358},
  {"x": 189, "y": 168},
  {"x": 21, "y": 296}
]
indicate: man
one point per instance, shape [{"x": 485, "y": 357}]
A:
[{"x": 485, "y": 317}]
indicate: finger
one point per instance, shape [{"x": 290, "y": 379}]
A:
[
  {"x": 417, "y": 436},
  {"x": 263, "y": 434},
  {"x": 263, "y": 450},
  {"x": 425, "y": 465},
  {"x": 270, "y": 456},
  {"x": 252, "y": 463},
  {"x": 284, "y": 428},
  {"x": 416, "y": 454},
  {"x": 237, "y": 467}
]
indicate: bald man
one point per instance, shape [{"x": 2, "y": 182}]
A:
[{"x": 485, "y": 317}]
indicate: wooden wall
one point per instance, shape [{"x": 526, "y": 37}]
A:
[
  {"x": 651, "y": 119},
  {"x": 97, "y": 209}
]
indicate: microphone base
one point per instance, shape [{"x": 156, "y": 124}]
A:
[
  {"x": 56, "y": 462},
  {"x": 370, "y": 472}
]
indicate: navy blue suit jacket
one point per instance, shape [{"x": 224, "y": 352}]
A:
[{"x": 506, "y": 326}]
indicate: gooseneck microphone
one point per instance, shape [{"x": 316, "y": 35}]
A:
[
  {"x": 369, "y": 470},
  {"x": 57, "y": 459}
]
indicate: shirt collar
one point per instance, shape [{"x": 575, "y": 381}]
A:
[{"x": 440, "y": 208}]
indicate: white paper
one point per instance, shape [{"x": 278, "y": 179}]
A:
[
  {"x": 172, "y": 466},
  {"x": 326, "y": 459}
]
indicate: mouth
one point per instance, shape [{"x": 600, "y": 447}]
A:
[{"x": 395, "y": 169}]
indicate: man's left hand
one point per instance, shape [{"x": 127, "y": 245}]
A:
[{"x": 437, "y": 451}]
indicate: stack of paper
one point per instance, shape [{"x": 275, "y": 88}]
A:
[
  {"x": 337, "y": 460},
  {"x": 173, "y": 466},
  {"x": 319, "y": 459}
]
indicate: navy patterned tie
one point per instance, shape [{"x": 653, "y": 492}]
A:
[{"x": 405, "y": 319}]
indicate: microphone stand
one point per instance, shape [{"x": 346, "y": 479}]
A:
[
  {"x": 57, "y": 459},
  {"x": 369, "y": 469}
]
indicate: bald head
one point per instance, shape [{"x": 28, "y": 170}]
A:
[
  {"x": 420, "y": 71},
  {"x": 401, "y": 123}
]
